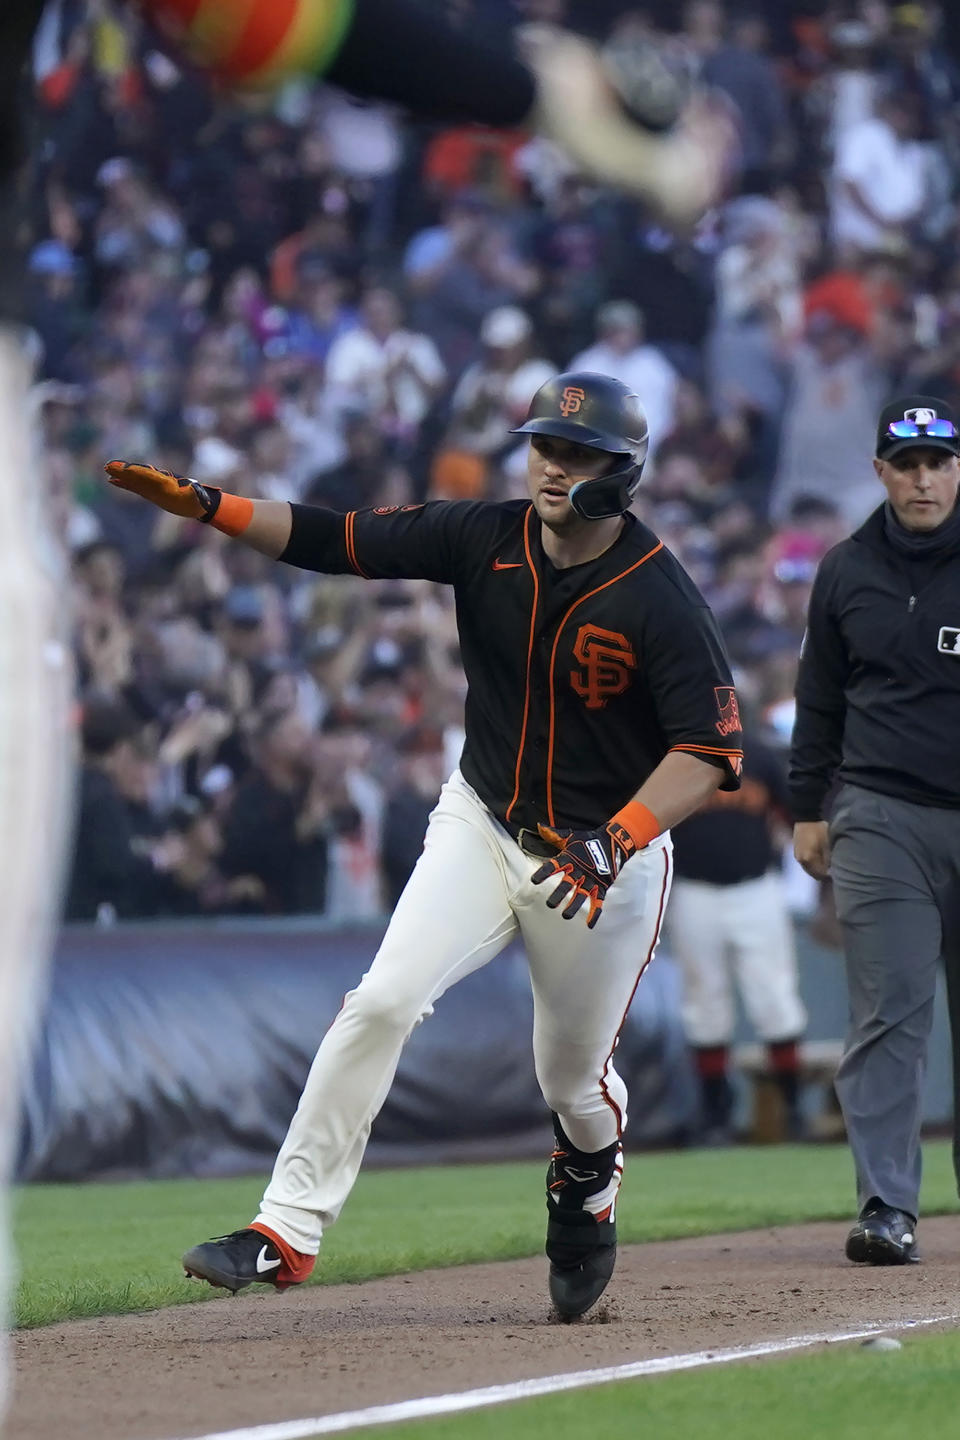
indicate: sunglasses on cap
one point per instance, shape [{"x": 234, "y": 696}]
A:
[{"x": 911, "y": 429}]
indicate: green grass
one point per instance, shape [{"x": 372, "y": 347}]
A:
[
  {"x": 845, "y": 1393},
  {"x": 108, "y": 1249}
]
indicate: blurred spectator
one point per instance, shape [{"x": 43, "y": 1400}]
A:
[
  {"x": 123, "y": 867},
  {"x": 845, "y": 96},
  {"x": 459, "y": 271},
  {"x": 421, "y": 774},
  {"x": 277, "y": 829},
  {"x": 56, "y": 309},
  {"x": 732, "y": 58},
  {"x": 391, "y": 375},
  {"x": 879, "y": 182},
  {"x": 491, "y": 397},
  {"x": 830, "y": 421},
  {"x": 918, "y": 64},
  {"x": 620, "y": 350}
]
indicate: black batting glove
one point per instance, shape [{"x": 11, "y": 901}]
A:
[{"x": 587, "y": 863}]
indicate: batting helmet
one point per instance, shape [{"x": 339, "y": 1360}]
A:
[{"x": 603, "y": 414}]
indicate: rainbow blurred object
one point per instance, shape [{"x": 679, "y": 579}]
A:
[{"x": 256, "y": 43}]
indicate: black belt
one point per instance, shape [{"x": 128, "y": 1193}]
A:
[{"x": 529, "y": 841}]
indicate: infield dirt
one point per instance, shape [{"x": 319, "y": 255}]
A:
[{"x": 261, "y": 1357}]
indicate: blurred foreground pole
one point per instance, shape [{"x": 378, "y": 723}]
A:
[
  {"x": 36, "y": 780},
  {"x": 36, "y": 769}
]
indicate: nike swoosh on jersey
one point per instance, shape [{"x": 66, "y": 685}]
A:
[
  {"x": 263, "y": 1264},
  {"x": 508, "y": 564}
]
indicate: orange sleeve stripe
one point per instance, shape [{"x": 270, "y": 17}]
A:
[
  {"x": 707, "y": 750},
  {"x": 351, "y": 544}
]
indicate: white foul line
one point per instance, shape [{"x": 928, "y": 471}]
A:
[{"x": 550, "y": 1385}]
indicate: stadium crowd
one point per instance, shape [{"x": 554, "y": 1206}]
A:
[{"x": 313, "y": 299}]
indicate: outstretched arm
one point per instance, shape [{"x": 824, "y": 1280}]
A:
[{"x": 264, "y": 525}]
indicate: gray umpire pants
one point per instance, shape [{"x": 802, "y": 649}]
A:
[{"x": 895, "y": 868}]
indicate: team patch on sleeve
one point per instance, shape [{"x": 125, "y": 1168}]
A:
[{"x": 727, "y": 705}]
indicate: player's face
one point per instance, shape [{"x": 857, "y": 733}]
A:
[
  {"x": 922, "y": 485},
  {"x": 554, "y": 466}
]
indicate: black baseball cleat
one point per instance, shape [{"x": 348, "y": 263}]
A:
[
  {"x": 575, "y": 1288},
  {"x": 883, "y": 1236},
  {"x": 581, "y": 1229},
  {"x": 247, "y": 1257}
]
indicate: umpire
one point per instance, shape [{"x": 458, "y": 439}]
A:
[{"x": 878, "y": 701}]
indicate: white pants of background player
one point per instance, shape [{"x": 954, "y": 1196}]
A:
[
  {"x": 469, "y": 896},
  {"x": 726, "y": 934},
  {"x": 35, "y": 754}
]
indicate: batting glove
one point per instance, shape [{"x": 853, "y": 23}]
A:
[
  {"x": 588, "y": 861},
  {"x": 176, "y": 494}
]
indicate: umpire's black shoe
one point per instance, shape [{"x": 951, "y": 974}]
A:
[
  {"x": 883, "y": 1236},
  {"x": 247, "y": 1257},
  {"x": 581, "y": 1229}
]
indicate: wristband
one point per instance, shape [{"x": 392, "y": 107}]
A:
[
  {"x": 640, "y": 823},
  {"x": 232, "y": 515}
]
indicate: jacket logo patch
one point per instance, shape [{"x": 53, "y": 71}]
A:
[
  {"x": 948, "y": 641},
  {"x": 606, "y": 658},
  {"x": 729, "y": 722},
  {"x": 571, "y": 400}
]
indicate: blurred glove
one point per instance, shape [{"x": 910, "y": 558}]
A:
[
  {"x": 606, "y": 124},
  {"x": 587, "y": 863},
  {"x": 176, "y": 494}
]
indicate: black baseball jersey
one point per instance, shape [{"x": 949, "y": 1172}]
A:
[
  {"x": 730, "y": 838},
  {"x": 579, "y": 679},
  {"x": 878, "y": 685}
]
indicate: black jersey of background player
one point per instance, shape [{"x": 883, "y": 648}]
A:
[
  {"x": 731, "y": 838},
  {"x": 579, "y": 680}
]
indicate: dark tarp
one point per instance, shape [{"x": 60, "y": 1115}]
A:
[{"x": 181, "y": 1049}]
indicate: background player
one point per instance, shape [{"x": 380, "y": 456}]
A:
[
  {"x": 730, "y": 930},
  {"x": 598, "y": 715}
]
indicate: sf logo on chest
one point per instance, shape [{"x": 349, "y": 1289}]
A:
[{"x": 605, "y": 658}]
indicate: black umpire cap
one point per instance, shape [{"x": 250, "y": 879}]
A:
[{"x": 914, "y": 420}]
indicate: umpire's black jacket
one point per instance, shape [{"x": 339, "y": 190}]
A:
[{"x": 878, "y": 687}]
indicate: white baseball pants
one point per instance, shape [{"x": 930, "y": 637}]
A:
[
  {"x": 726, "y": 934},
  {"x": 469, "y": 895}
]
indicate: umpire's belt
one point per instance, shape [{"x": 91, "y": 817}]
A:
[{"x": 529, "y": 841}]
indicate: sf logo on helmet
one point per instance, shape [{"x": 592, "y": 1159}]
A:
[{"x": 571, "y": 400}]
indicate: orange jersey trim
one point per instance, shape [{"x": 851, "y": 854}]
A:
[
  {"x": 553, "y": 656},
  {"x": 350, "y": 542},
  {"x": 708, "y": 750},
  {"x": 526, "y": 688}
]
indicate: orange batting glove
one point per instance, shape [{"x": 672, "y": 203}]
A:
[
  {"x": 179, "y": 495},
  {"x": 588, "y": 861}
]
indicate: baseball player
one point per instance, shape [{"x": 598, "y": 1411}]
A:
[
  {"x": 729, "y": 924},
  {"x": 598, "y": 714}
]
